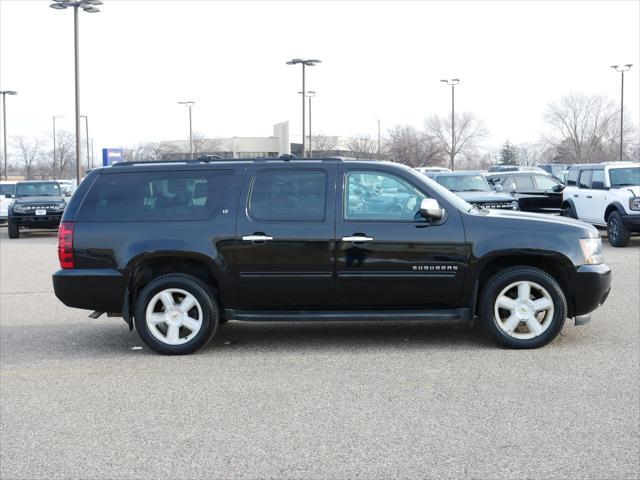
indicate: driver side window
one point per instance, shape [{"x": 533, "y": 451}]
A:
[{"x": 370, "y": 195}]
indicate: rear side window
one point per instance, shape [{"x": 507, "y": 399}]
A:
[
  {"x": 585, "y": 179},
  {"x": 288, "y": 196},
  {"x": 155, "y": 196},
  {"x": 597, "y": 176},
  {"x": 572, "y": 177},
  {"x": 522, "y": 182}
]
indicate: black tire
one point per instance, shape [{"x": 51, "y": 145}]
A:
[
  {"x": 14, "y": 231},
  {"x": 568, "y": 211},
  {"x": 618, "y": 233},
  {"x": 204, "y": 296},
  {"x": 502, "y": 280}
]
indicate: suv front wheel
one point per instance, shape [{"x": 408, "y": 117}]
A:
[
  {"x": 618, "y": 233},
  {"x": 176, "y": 314},
  {"x": 523, "y": 307}
]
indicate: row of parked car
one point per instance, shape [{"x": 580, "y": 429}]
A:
[
  {"x": 604, "y": 194},
  {"x": 33, "y": 204}
]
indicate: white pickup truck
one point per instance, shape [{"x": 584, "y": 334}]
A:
[{"x": 605, "y": 195}]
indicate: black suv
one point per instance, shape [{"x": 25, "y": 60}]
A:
[
  {"x": 177, "y": 248},
  {"x": 37, "y": 204}
]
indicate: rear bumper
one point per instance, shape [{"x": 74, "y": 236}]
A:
[
  {"x": 91, "y": 289},
  {"x": 591, "y": 286},
  {"x": 632, "y": 222}
]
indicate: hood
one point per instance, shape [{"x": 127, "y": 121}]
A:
[
  {"x": 474, "y": 197},
  {"x": 545, "y": 219},
  {"x": 635, "y": 189},
  {"x": 39, "y": 199}
]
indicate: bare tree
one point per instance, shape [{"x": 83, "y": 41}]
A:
[
  {"x": 405, "y": 144},
  {"x": 65, "y": 153},
  {"x": 204, "y": 146},
  {"x": 583, "y": 125},
  {"x": 469, "y": 132},
  {"x": 30, "y": 151},
  {"x": 322, "y": 144},
  {"x": 362, "y": 147}
]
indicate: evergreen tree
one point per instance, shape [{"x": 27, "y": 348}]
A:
[{"x": 508, "y": 154}]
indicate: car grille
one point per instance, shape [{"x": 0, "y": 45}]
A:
[{"x": 501, "y": 205}]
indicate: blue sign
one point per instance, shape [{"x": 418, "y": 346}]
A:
[{"x": 111, "y": 156}]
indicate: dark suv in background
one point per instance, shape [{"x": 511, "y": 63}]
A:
[
  {"x": 37, "y": 204},
  {"x": 177, "y": 248}
]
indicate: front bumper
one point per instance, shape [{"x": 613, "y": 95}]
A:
[
  {"x": 591, "y": 286},
  {"x": 50, "y": 220},
  {"x": 632, "y": 222},
  {"x": 91, "y": 289}
]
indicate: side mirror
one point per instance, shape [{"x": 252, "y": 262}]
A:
[
  {"x": 8, "y": 195},
  {"x": 558, "y": 188},
  {"x": 430, "y": 208},
  {"x": 597, "y": 185},
  {"x": 68, "y": 193},
  {"x": 497, "y": 188}
]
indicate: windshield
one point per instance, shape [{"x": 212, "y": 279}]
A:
[
  {"x": 464, "y": 183},
  {"x": 39, "y": 189},
  {"x": 624, "y": 177},
  {"x": 7, "y": 188}
]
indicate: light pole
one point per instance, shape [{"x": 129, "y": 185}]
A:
[
  {"x": 453, "y": 82},
  {"x": 86, "y": 137},
  {"x": 621, "y": 69},
  {"x": 189, "y": 104},
  {"x": 310, "y": 95},
  {"x": 378, "y": 120},
  {"x": 54, "y": 144},
  {"x": 304, "y": 63},
  {"x": 88, "y": 6},
  {"x": 4, "y": 126}
]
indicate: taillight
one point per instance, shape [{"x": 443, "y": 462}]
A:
[{"x": 65, "y": 245}]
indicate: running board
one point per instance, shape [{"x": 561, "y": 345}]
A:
[{"x": 346, "y": 315}]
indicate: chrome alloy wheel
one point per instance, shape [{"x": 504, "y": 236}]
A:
[
  {"x": 174, "y": 316},
  {"x": 523, "y": 310}
]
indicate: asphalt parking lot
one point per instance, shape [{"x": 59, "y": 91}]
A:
[{"x": 78, "y": 399}]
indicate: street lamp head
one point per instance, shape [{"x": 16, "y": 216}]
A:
[
  {"x": 295, "y": 61},
  {"x": 59, "y": 6},
  {"x": 312, "y": 62},
  {"x": 10, "y": 92},
  {"x": 90, "y": 9},
  {"x": 444, "y": 81},
  {"x": 188, "y": 103},
  {"x": 629, "y": 65},
  {"x": 311, "y": 93},
  {"x": 93, "y": 2},
  {"x": 614, "y": 66},
  {"x": 455, "y": 81}
]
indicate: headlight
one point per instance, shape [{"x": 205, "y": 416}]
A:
[
  {"x": 19, "y": 208},
  {"x": 591, "y": 251},
  {"x": 515, "y": 205},
  {"x": 634, "y": 203},
  {"x": 61, "y": 206}
]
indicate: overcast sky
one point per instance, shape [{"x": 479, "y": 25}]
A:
[{"x": 380, "y": 60}]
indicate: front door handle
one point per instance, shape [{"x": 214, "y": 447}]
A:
[
  {"x": 257, "y": 238},
  {"x": 589, "y": 196},
  {"x": 575, "y": 196},
  {"x": 357, "y": 238}
]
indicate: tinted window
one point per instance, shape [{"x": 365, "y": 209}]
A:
[
  {"x": 464, "y": 183},
  {"x": 46, "y": 189},
  {"x": 545, "y": 183},
  {"x": 585, "y": 179},
  {"x": 572, "y": 176},
  {"x": 624, "y": 177},
  {"x": 522, "y": 183},
  {"x": 7, "y": 188},
  {"x": 597, "y": 176},
  {"x": 380, "y": 196},
  {"x": 149, "y": 196},
  {"x": 289, "y": 196}
]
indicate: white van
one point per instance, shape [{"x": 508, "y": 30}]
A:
[{"x": 7, "y": 194}]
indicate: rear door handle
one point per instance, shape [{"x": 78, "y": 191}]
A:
[
  {"x": 257, "y": 238},
  {"x": 575, "y": 196},
  {"x": 357, "y": 238}
]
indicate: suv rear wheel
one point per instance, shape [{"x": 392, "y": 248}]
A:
[
  {"x": 618, "y": 233},
  {"x": 523, "y": 307},
  {"x": 176, "y": 314}
]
